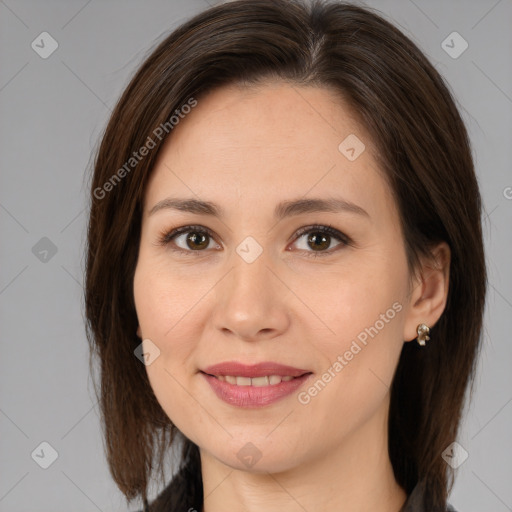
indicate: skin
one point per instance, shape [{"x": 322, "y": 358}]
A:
[{"x": 247, "y": 150}]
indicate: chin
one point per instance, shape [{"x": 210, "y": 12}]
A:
[{"x": 255, "y": 456}]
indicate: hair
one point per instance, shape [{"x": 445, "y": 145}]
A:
[{"x": 423, "y": 149}]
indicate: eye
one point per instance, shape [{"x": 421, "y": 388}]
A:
[
  {"x": 195, "y": 239},
  {"x": 320, "y": 237}
]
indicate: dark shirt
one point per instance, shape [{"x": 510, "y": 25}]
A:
[{"x": 414, "y": 502}]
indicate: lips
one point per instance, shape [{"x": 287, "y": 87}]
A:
[
  {"x": 264, "y": 369},
  {"x": 252, "y": 386}
]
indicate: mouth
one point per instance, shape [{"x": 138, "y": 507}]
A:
[
  {"x": 252, "y": 386},
  {"x": 258, "y": 382},
  {"x": 265, "y": 369}
]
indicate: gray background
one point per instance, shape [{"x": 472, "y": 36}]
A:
[{"x": 53, "y": 111}]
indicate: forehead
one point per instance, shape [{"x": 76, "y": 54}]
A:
[
  {"x": 271, "y": 116},
  {"x": 266, "y": 143}
]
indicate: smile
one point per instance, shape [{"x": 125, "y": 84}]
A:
[
  {"x": 254, "y": 392},
  {"x": 270, "y": 380}
]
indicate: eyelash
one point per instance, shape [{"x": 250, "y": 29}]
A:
[{"x": 166, "y": 237}]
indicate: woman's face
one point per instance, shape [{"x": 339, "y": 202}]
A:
[{"x": 256, "y": 290}]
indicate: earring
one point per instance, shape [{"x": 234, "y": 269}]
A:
[{"x": 423, "y": 334}]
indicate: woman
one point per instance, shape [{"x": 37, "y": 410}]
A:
[{"x": 285, "y": 266}]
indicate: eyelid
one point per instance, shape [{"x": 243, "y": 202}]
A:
[
  {"x": 329, "y": 230},
  {"x": 166, "y": 237}
]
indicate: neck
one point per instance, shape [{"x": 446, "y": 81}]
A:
[{"x": 355, "y": 475}]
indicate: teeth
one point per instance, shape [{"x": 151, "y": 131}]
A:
[
  {"x": 243, "y": 381},
  {"x": 260, "y": 381},
  {"x": 271, "y": 380},
  {"x": 274, "y": 379}
]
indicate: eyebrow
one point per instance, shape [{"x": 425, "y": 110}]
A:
[{"x": 282, "y": 210}]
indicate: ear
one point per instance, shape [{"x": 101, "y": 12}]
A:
[
  {"x": 139, "y": 334},
  {"x": 429, "y": 291}
]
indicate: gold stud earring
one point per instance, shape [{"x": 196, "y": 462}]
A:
[{"x": 423, "y": 334}]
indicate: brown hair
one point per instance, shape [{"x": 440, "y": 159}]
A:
[{"x": 424, "y": 151}]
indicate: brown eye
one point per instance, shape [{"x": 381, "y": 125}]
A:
[
  {"x": 197, "y": 240},
  {"x": 187, "y": 239},
  {"x": 319, "y": 239}
]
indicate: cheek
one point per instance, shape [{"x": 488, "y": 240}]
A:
[
  {"x": 361, "y": 302},
  {"x": 165, "y": 306},
  {"x": 164, "y": 300},
  {"x": 365, "y": 317},
  {"x": 359, "y": 362}
]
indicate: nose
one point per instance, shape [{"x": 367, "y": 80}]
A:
[{"x": 250, "y": 302}]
